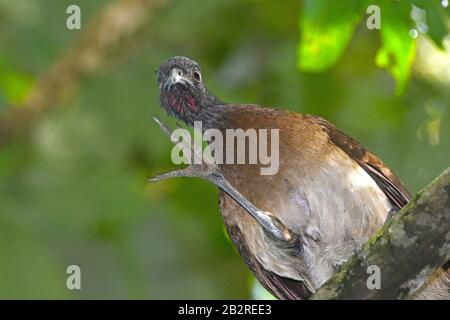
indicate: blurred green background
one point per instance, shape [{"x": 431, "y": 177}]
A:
[{"x": 73, "y": 186}]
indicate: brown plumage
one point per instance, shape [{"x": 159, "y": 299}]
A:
[
  {"x": 322, "y": 179},
  {"x": 329, "y": 191}
]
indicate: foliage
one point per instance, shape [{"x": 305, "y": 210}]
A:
[{"x": 326, "y": 28}]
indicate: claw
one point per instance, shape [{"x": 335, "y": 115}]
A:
[
  {"x": 163, "y": 127},
  {"x": 170, "y": 174}
]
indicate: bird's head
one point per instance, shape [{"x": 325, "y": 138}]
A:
[{"x": 182, "y": 92}]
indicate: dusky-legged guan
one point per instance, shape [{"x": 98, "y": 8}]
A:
[{"x": 330, "y": 192}]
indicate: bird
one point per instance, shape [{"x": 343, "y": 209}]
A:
[{"x": 328, "y": 197}]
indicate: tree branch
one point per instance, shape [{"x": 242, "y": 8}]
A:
[
  {"x": 408, "y": 249},
  {"x": 117, "y": 23}
]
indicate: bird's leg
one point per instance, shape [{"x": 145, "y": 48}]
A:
[{"x": 212, "y": 173}]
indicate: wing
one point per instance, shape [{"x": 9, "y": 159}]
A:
[
  {"x": 391, "y": 186},
  {"x": 281, "y": 287}
]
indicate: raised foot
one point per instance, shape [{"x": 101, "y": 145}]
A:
[{"x": 212, "y": 173}]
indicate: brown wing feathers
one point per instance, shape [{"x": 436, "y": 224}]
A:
[
  {"x": 391, "y": 186},
  {"x": 281, "y": 287}
]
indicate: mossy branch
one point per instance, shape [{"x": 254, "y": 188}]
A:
[{"x": 408, "y": 249}]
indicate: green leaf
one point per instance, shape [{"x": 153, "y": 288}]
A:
[
  {"x": 326, "y": 28},
  {"x": 397, "y": 50},
  {"x": 437, "y": 19}
]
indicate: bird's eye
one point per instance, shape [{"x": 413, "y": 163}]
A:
[
  {"x": 197, "y": 76},
  {"x": 179, "y": 73}
]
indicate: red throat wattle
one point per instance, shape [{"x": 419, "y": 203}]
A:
[
  {"x": 175, "y": 102},
  {"x": 192, "y": 103}
]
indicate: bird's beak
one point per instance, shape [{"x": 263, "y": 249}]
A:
[{"x": 176, "y": 76}]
